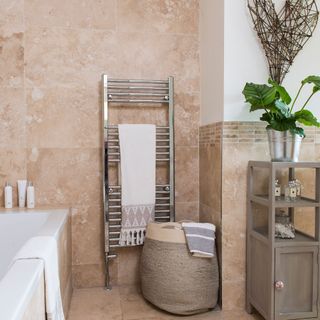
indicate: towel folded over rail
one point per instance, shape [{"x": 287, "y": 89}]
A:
[
  {"x": 46, "y": 249},
  {"x": 200, "y": 238},
  {"x": 138, "y": 180}
]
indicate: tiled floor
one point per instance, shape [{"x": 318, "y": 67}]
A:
[{"x": 125, "y": 304}]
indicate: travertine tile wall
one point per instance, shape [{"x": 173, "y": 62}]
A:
[
  {"x": 210, "y": 178},
  {"x": 52, "y": 55},
  {"x": 240, "y": 142}
]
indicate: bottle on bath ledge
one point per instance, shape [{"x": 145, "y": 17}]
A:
[
  {"x": 30, "y": 196},
  {"x": 8, "y": 196},
  {"x": 22, "y": 188}
]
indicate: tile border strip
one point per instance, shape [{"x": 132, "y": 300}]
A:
[{"x": 244, "y": 132}]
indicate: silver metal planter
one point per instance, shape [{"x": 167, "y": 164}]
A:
[{"x": 284, "y": 146}]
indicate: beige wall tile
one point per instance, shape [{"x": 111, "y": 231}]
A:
[
  {"x": 187, "y": 211},
  {"x": 66, "y": 176},
  {"x": 11, "y": 60},
  {"x": 12, "y": 168},
  {"x": 159, "y": 16},
  {"x": 129, "y": 266},
  {"x": 307, "y": 151},
  {"x": 64, "y": 117},
  {"x": 187, "y": 113},
  {"x": 206, "y": 213},
  {"x": 233, "y": 248},
  {"x": 92, "y": 14},
  {"x": 210, "y": 176},
  {"x": 87, "y": 235},
  {"x": 235, "y": 159},
  {"x": 88, "y": 275},
  {"x": 127, "y": 114},
  {"x": 187, "y": 174},
  {"x": 67, "y": 57},
  {"x": 11, "y": 17},
  {"x": 12, "y": 115},
  {"x": 233, "y": 295},
  {"x": 173, "y": 55},
  {"x": 157, "y": 56}
]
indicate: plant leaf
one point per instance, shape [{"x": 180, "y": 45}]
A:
[
  {"x": 281, "y": 125},
  {"x": 313, "y": 79},
  {"x": 260, "y": 96},
  {"x": 266, "y": 117},
  {"x": 299, "y": 131},
  {"x": 283, "y": 108},
  {"x": 307, "y": 118},
  {"x": 315, "y": 89},
  {"x": 283, "y": 93}
]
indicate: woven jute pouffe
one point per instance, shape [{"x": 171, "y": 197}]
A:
[{"x": 171, "y": 278}]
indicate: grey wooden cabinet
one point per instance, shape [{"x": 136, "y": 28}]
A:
[{"x": 282, "y": 274}]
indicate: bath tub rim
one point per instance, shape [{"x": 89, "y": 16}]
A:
[
  {"x": 52, "y": 227},
  {"x": 23, "y": 276}
]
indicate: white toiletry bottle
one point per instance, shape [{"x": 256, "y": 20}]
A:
[
  {"x": 22, "y": 188},
  {"x": 30, "y": 196},
  {"x": 7, "y": 196}
]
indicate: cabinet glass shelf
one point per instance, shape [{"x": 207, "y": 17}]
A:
[
  {"x": 300, "y": 238},
  {"x": 303, "y": 202}
]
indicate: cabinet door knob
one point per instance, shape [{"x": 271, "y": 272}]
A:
[{"x": 279, "y": 285}]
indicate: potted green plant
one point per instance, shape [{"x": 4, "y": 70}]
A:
[{"x": 284, "y": 131}]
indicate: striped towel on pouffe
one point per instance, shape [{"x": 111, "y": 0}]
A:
[{"x": 200, "y": 238}]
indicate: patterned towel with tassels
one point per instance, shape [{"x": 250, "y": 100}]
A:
[
  {"x": 134, "y": 222},
  {"x": 138, "y": 167}
]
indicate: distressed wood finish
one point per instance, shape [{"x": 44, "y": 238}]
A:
[
  {"x": 297, "y": 268},
  {"x": 293, "y": 262}
]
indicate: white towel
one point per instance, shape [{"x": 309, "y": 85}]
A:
[
  {"x": 45, "y": 248},
  {"x": 138, "y": 180}
]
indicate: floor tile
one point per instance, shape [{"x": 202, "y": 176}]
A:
[
  {"x": 126, "y": 303},
  {"x": 95, "y": 304}
]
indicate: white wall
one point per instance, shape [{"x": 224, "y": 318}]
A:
[
  {"x": 212, "y": 60},
  {"x": 244, "y": 61}
]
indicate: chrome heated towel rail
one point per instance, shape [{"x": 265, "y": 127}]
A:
[{"x": 135, "y": 93}]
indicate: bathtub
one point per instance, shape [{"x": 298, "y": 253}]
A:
[{"x": 22, "y": 282}]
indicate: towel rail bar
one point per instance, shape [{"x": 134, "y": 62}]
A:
[
  {"x": 118, "y": 153},
  {"x": 113, "y": 126},
  {"x": 137, "y": 94},
  {"x": 157, "y": 147},
  {"x": 137, "y": 101},
  {"x": 138, "y": 81},
  {"x": 158, "y": 140},
  {"x": 158, "y": 160},
  {"x": 138, "y": 87}
]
